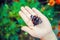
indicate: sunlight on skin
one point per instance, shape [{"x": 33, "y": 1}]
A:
[{"x": 43, "y": 30}]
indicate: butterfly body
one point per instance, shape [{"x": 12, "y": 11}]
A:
[{"x": 36, "y": 20}]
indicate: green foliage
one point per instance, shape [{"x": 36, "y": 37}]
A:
[{"x": 11, "y": 22}]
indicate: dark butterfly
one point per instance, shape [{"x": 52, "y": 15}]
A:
[{"x": 36, "y": 20}]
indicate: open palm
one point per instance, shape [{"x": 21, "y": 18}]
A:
[{"x": 39, "y": 30}]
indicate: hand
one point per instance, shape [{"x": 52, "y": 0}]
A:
[{"x": 38, "y": 31}]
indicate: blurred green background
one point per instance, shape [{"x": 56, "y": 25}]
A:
[{"x": 11, "y": 22}]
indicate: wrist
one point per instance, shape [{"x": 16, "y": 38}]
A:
[{"x": 50, "y": 36}]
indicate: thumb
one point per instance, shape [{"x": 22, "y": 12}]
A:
[{"x": 26, "y": 29}]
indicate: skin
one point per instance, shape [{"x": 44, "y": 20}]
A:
[{"x": 43, "y": 30}]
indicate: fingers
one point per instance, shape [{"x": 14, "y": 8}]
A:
[
  {"x": 25, "y": 18},
  {"x": 29, "y": 10},
  {"x": 25, "y": 12}
]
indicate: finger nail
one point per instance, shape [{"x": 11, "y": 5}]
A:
[{"x": 22, "y": 7}]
